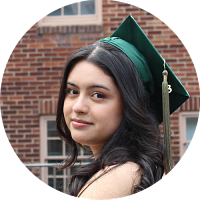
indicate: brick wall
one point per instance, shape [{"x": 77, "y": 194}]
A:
[{"x": 32, "y": 76}]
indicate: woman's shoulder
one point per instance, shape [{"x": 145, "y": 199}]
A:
[
  {"x": 114, "y": 182},
  {"x": 126, "y": 168},
  {"x": 128, "y": 174}
]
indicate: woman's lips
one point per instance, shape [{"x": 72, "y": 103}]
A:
[{"x": 80, "y": 124}]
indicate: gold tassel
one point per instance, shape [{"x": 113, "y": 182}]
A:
[{"x": 166, "y": 89}]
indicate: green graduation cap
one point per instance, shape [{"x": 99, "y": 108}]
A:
[{"x": 150, "y": 65}]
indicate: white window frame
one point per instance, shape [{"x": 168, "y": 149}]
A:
[
  {"x": 95, "y": 19},
  {"x": 43, "y": 150},
  {"x": 182, "y": 128},
  {"x": 43, "y": 145}
]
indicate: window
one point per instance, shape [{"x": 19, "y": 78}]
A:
[
  {"x": 82, "y": 8},
  {"x": 187, "y": 124},
  {"x": 81, "y": 13},
  {"x": 54, "y": 150}
]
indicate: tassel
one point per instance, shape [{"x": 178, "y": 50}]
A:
[{"x": 166, "y": 89}]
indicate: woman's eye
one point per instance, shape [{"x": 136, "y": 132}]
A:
[
  {"x": 98, "y": 96},
  {"x": 72, "y": 92}
]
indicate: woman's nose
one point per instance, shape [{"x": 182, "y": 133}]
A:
[{"x": 81, "y": 105}]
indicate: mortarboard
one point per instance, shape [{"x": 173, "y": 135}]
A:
[{"x": 150, "y": 65}]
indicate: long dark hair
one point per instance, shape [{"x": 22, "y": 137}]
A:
[{"x": 138, "y": 137}]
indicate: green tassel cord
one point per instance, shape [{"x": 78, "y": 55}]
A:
[{"x": 166, "y": 121}]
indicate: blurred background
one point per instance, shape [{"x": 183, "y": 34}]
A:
[{"x": 31, "y": 81}]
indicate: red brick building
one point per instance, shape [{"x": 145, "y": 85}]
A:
[{"x": 31, "y": 80}]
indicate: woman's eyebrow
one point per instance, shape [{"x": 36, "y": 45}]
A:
[{"x": 90, "y": 87}]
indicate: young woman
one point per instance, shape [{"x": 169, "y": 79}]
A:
[{"x": 106, "y": 105}]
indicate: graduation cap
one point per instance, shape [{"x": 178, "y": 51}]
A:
[{"x": 167, "y": 94}]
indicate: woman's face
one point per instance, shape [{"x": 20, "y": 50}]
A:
[{"x": 93, "y": 106}]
